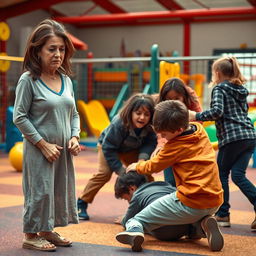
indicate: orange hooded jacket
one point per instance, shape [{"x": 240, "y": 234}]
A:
[{"x": 194, "y": 166}]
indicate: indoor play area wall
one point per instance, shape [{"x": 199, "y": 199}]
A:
[
  {"x": 110, "y": 81},
  {"x": 101, "y": 86}
]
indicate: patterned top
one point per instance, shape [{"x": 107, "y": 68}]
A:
[{"x": 229, "y": 110}]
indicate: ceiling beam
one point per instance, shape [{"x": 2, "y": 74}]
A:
[
  {"x": 53, "y": 12},
  {"x": 201, "y": 4},
  {"x": 25, "y": 7},
  {"x": 170, "y": 5},
  {"x": 149, "y": 16},
  {"x": 252, "y": 2},
  {"x": 109, "y": 6},
  {"x": 166, "y": 22}
]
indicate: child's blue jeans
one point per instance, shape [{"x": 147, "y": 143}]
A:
[{"x": 234, "y": 157}]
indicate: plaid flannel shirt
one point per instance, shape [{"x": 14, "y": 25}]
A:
[{"x": 229, "y": 110}]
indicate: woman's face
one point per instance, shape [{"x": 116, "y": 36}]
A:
[
  {"x": 173, "y": 95},
  {"x": 141, "y": 117},
  {"x": 52, "y": 53}
]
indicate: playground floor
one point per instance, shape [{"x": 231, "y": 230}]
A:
[{"x": 97, "y": 236}]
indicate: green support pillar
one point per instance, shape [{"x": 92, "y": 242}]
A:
[{"x": 154, "y": 69}]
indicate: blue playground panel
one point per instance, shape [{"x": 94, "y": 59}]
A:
[{"x": 13, "y": 134}]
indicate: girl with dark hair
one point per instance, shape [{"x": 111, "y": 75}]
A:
[
  {"x": 128, "y": 139},
  {"x": 175, "y": 89}
]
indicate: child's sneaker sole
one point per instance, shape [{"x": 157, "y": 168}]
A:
[
  {"x": 213, "y": 233},
  {"x": 135, "y": 239}
]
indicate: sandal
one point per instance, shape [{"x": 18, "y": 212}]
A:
[
  {"x": 38, "y": 243},
  {"x": 56, "y": 239}
]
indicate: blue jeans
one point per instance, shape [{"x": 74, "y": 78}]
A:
[{"x": 234, "y": 157}]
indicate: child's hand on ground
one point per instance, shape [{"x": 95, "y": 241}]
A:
[{"x": 118, "y": 220}]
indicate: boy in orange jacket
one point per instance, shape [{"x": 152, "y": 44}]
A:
[{"x": 199, "y": 192}]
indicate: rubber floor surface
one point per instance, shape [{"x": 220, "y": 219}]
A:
[{"x": 97, "y": 236}]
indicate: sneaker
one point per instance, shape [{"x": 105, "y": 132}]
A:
[
  {"x": 82, "y": 209},
  {"x": 135, "y": 239},
  {"x": 213, "y": 233},
  {"x": 223, "y": 221}
]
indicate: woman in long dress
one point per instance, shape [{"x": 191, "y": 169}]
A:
[{"x": 45, "y": 113}]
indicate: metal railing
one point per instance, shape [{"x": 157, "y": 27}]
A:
[{"x": 103, "y": 78}]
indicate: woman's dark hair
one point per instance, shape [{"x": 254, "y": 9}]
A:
[
  {"x": 177, "y": 85},
  {"x": 133, "y": 104},
  {"x": 123, "y": 182},
  {"x": 38, "y": 39}
]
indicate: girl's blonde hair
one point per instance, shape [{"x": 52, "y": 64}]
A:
[{"x": 229, "y": 67}]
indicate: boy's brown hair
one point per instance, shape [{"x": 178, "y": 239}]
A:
[{"x": 170, "y": 115}]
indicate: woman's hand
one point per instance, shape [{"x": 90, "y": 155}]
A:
[
  {"x": 73, "y": 146},
  {"x": 192, "y": 115},
  {"x": 50, "y": 151},
  {"x": 131, "y": 167}
]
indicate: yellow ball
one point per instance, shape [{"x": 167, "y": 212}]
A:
[{"x": 16, "y": 156}]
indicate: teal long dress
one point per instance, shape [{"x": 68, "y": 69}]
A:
[{"x": 49, "y": 188}]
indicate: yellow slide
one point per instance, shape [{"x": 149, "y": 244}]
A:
[{"x": 94, "y": 114}]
